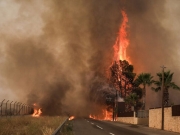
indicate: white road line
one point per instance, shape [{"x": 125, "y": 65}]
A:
[
  {"x": 92, "y": 123},
  {"x": 99, "y": 127},
  {"x": 111, "y": 134}
]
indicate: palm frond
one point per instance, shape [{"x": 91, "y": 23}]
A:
[
  {"x": 168, "y": 76},
  {"x": 156, "y": 89},
  {"x": 174, "y": 86}
]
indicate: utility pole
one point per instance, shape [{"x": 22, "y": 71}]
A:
[
  {"x": 115, "y": 107},
  {"x": 162, "y": 90}
]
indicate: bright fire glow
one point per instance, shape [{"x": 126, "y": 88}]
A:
[
  {"x": 106, "y": 116},
  {"x": 122, "y": 41},
  {"x": 71, "y": 118},
  {"x": 37, "y": 113}
]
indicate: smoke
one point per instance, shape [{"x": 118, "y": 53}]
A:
[
  {"x": 51, "y": 51},
  {"x": 154, "y": 41}
]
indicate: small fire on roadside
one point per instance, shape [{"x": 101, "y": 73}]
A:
[
  {"x": 71, "y": 118},
  {"x": 106, "y": 116},
  {"x": 37, "y": 112}
]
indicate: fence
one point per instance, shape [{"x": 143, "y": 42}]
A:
[
  {"x": 126, "y": 114},
  {"x": 9, "y": 108},
  {"x": 140, "y": 117},
  {"x": 176, "y": 110},
  {"x": 142, "y": 114}
]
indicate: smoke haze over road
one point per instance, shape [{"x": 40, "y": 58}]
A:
[{"x": 50, "y": 51}]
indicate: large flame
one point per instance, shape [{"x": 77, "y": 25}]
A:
[
  {"x": 120, "y": 47},
  {"x": 37, "y": 113},
  {"x": 122, "y": 41},
  {"x": 106, "y": 115}
]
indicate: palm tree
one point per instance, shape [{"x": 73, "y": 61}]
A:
[
  {"x": 167, "y": 84},
  {"x": 132, "y": 99},
  {"x": 144, "y": 79}
]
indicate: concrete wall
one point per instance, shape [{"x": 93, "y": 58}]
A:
[
  {"x": 155, "y": 118},
  {"x": 130, "y": 120},
  {"x": 134, "y": 120},
  {"x": 143, "y": 121},
  {"x": 171, "y": 123}
]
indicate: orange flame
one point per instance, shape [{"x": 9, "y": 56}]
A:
[
  {"x": 108, "y": 115},
  {"x": 37, "y": 113},
  {"x": 71, "y": 118},
  {"x": 122, "y": 41},
  {"x": 105, "y": 116}
]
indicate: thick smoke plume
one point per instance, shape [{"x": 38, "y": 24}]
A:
[{"x": 50, "y": 52}]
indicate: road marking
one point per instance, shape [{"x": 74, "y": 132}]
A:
[
  {"x": 92, "y": 123},
  {"x": 99, "y": 127},
  {"x": 111, "y": 134}
]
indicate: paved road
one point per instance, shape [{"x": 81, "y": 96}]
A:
[{"x": 88, "y": 126}]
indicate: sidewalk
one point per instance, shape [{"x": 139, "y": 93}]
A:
[{"x": 142, "y": 129}]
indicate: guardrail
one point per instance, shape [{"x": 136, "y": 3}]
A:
[
  {"x": 9, "y": 108},
  {"x": 59, "y": 128}
]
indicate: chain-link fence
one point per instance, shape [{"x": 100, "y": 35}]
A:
[{"x": 10, "y": 108}]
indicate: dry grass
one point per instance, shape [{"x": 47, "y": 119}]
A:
[
  {"x": 27, "y": 125},
  {"x": 67, "y": 129}
]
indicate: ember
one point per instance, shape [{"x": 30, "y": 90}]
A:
[{"x": 71, "y": 118}]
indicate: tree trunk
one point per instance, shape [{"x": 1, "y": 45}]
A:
[
  {"x": 144, "y": 97},
  {"x": 166, "y": 97},
  {"x": 125, "y": 88}
]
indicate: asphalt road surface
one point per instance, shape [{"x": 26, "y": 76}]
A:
[{"x": 86, "y": 126}]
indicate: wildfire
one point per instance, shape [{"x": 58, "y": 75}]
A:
[
  {"x": 122, "y": 41},
  {"x": 71, "y": 118},
  {"x": 37, "y": 113},
  {"x": 106, "y": 116},
  {"x": 120, "y": 47}
]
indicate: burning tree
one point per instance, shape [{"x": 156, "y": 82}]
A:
[{"x": 122, "y": 77}]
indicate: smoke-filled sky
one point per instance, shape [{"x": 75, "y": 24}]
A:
[{"x": 50, "y": 51}]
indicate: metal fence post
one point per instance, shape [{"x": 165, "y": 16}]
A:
[
  {"x": 20, "y": 108},
  {"x": 14, "y": 108},
  {"x": 17, "y": 106},
  {"x": 6, "y": 108},
  {"x": 24, "y": 108},
  {"x": 10, "y": 108},
  {"x": 2, "y": 106}
]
